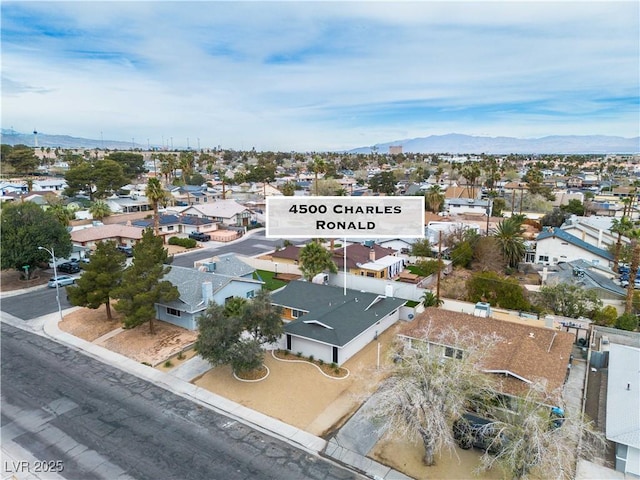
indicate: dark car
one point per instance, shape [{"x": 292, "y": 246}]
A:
[
  {"x": 199, "y": 236},
  {"x": 69, "y": 267},
  {"x": 127, "y": 250},
  {"x": 473, "y": 431}
]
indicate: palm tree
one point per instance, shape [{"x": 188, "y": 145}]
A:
[
  {"x": 430, "y": 299},
  {"x": 509, "y": 237},
  {"x": 634, "y": 237},
  {"x": 62, "y": 213},
  {"x": 100, "y": 209},
  {"x": 434, "y": 198},
  {"x": 318, "y": 166},
  {"x": 620, "y": 226},
  {"x": 156, "y": 195}
]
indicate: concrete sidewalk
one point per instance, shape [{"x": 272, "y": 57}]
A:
[{"x": 178, "y": 382}]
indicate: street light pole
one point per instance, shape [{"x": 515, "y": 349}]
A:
[{"x": 55, "y": 275}]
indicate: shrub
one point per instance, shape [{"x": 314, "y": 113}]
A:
[
  {"x": 311, "y": 358},
  {"x": 181, "y": 356},
  {"x": 183, "y": 242},
  {"x": 627, "y": 321},
  {"x": 334, "y": 365},
  {"x": 320, "y": 361},
  {"x": 299, "y": 354},
  {"x": 168, "y": 364}
]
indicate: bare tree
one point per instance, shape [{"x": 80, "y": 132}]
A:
[
  {"x": 426, "y": 393},
  {"x": 530, "y": 442}
]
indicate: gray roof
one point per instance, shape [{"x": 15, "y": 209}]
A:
[
  {"x": 189, "y": 282},
  {"x": 623, "y": 406},
  {"x": 229, "y": 264},
  {"x": 567, "y": 237},
  {"x": 333, "y": 317},
  {"x": 591, "y": 279}
]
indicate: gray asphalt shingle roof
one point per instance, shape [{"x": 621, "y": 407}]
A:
[
  {"x": 333, "y": 317},
  {"x": 572, "y": 239}
]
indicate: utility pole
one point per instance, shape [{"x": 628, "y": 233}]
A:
[{"x": 439, "y": 267}]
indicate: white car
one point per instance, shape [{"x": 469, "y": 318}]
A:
[{"x": 61, "y": 281}]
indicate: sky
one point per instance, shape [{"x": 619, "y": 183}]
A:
[{"x": 317, "y": 76}]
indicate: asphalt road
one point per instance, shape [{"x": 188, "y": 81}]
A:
[
  {"x": 98, "y": 422},
  {"x": 37, "y": 303}
]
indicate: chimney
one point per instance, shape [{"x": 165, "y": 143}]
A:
[
  {"x": 207, "y": 292},
  {"x": 372, "y": 255}
]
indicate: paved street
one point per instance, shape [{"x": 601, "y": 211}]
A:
[
  {"x": 35, "y": 303},
  {"x": 102, "y": 423}
]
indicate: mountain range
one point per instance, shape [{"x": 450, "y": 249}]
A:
[
  {"x": 457, "y": 143},
  {"x": 453, "y": 143}
]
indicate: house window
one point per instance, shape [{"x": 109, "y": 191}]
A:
[
  {"x": 170, "y": 228},
  {"x": 250, "y": 294},
  {"x": 296, "y": 313},
  {"x": 451, "y": 352},
  {"x": 173, "y": 312},
  {"x": 371, "y": 274},
  {"x": 543, "y": 258}
]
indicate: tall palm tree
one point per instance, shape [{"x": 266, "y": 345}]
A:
[
  {"x": 318, "y": 166},
  {"x": 156, "y": 195},
  {"x": 634, "y": 237},
  {"x": 509, "y": 237},
  {"x": 620, "y": 226}
]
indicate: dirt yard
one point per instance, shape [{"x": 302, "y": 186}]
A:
[
  {"x": 136, "y": 343},
  {"x": 10, "y": 279}
]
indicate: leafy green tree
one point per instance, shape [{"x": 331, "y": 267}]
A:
[
  {"x": 462, "y": 254},
  {"x": 383, "y": 182},
  {"x": 195, "y": 179},
  {"x": 62, "y": 213},
  {"x": 314, "y": 259},
  {"x": 497, "y": 290},
  {"x": 108, "y": 178},
  {"x": 157, "y": 196},
  {"x": 19, "y": 158},
  {"x": 25, "y": 227},
  {"x": 509, "y": 236},
  {"x": 142, "y": 285},
  {"x": 102, "y": 275},
  {"x": 99, "y": 209},
  {"x": 288, "y": 189},
  {"x": 261, "y": 319},
  {"x": 219, "y": 329},
  {"x": 79, "y": 178},
  {"x": 574, "y": 207},
  {"x": 607, "y": 316},
  {"x": 498, "y": 206},
  {"x": 627, "y": 321},
  {"x": 246, "y": 355},
  {"x": 554, "y": 218},
  {"x": 132, "y": 164},
  {"x": 428, "y": 267},
  {"x": 568, "y": 300},
  {"x": 421, "y": 248}
]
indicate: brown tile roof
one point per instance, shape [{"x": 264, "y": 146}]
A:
[
  {"x": 106, "y": 232},
  {"x": 359, "y": 254},
  {"x": 290, "y": 252},
  {"x": 528, "y": 351}
]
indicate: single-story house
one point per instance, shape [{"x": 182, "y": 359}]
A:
[
  {"x": 589, "y": 277},
  {"x": 226, "y": 212},
  {"x": 227, "y": 264},
  {"x": 330, "y": 324},
  {"x": 197, "y": 288},
  {"x": 555, "y": 245},
  {"x": 369, "y": 260},
  {"x": 172, "y": 224},
  {"x": 121, "y": 234},
  {"x": 623, "y": 405},
  {"x": 523, "y": 353}
]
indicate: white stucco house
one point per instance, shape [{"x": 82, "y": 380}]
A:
[
  {"x": 556, "y": 245},
  {"x": 623, "y": 407},
  {"x": 332, "y": 324},
  {"x": 225, "y": 212}
]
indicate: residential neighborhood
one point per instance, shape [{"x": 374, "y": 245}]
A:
[{"x": 537, "y": 283}]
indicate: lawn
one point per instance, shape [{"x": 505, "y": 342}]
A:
[{"x": 270, "y": 283}]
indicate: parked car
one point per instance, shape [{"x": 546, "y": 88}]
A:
[
  {"x": 199, "y": 236},
  {"x": 127, "y": 250},
  {"x": 61, "y": 281},
  {"x": 69, "y": 267}
]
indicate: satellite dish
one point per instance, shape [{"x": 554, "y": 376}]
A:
[{"x": 411, "y": 316}]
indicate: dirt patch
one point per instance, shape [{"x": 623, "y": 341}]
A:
[
  {"x": 138, "y": 344},
  {"x": 11, "y": 279},
  {"x": 90, "y": 324},
  {"x": 176, "y": 360},
  {"x": 406, "y": 457}
]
